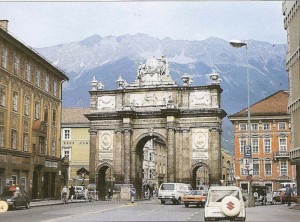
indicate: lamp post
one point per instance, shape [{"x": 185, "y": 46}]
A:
[{"x": 240, "y": 44}]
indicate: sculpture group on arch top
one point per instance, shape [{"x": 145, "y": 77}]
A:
[{"x": 155, "y": 72}]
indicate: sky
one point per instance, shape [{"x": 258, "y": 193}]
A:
[{"x": 43, "y": 24}]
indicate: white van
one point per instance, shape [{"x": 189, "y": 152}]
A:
[{"x": 173, "y": 192}]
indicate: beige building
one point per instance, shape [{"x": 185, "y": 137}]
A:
[
  {"x": 30, "y": 113},
  {"x": 228, "y": 172},
  {"x": 291, "y": 12},
  {"x": 75, "y": 145}
]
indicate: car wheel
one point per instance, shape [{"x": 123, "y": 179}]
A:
[
  {"x": 163, "y": 202},
  {"x": 186, "y": 205},
  {"x": 197, "y": 205},
  {"x": 27, "y": 206}
]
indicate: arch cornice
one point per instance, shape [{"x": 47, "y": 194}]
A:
[{"x": 105, "y": 164}]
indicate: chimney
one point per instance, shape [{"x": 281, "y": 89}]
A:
[{"x": 4, "y": 25}]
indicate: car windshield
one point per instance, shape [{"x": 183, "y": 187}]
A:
[
  {"x": 218, "y": 195},
  {"x": 167, "y": 187}
]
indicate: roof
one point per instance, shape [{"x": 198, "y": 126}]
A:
[
  {"x": 273, "y": 105},
  {"x": 74, "y": 115},
  {"x": 30, "y": 51}
]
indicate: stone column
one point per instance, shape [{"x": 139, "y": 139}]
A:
[
  {"x": 215, "y": 156},
  {"x": 93, "y": 155},
  {"x": 118, "y": 158},
  {"x": 171, "y": 154},
  {"x": 179, "y": 156},
  {"x": 127, "y": 149},
  {"x": 186, "y": 156}
]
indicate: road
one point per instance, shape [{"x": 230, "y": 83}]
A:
[{"x": 138, "y": 211}]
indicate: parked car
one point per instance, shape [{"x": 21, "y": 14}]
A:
[
  {"x": 173, "y": 192},
  {"x": 79, "y": 192},
  {"x": 280, "y": 196},
  {"x": 224, "y": 203},
  {"x": 16, "y": 199},
  {"x": 195, "y": 197}
]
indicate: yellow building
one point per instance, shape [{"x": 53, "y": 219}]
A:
[
  {"x": 30, "y": 112},
  {"x": 291, "y": 12},
  {"x": 75, "y": 145}
]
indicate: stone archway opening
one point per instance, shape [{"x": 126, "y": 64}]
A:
[
  {"x": 200, "y": 177},
  {"x": 151, "y": 164},
  {"x": 105, "y": 181}
]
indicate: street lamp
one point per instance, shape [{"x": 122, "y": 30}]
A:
[{"x": 239, "y": 44}]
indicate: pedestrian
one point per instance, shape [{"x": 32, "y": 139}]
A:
[
  {"x": 71, "y": 193},
  {"x": 288, "y": 193},
  {"x": 109, "y": 193},
  {"x": 64, "y": 194}
]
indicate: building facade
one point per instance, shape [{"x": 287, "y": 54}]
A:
[
  {"x": 30, "y": 113},
  {"x": 291, "y": 12},
  {"x": 228, "y": 172},
  {"x": 270, "y": 163},
  {"x": 75, "y": 145}
]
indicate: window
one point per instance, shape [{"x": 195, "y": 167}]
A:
[
  {"x": 36, "y": 110},
  {"x": 282, "y": 144},
  {"x": 4, "y": 58},
  {"x": 255, "y": 145},
  {"x": 268, "y": 168},
  {"x": 54, "y": 118},
  {"x": 266, "y": 126},
  {"x": 53, "y": 150},
  {"x": 2, "y": 96},
  {"x": 243, "y": 126},
  {"x": 151, "y": 157},
  {"x": 151, "y": 174},
  {"x": 37, "y": 77},
  {"x": 28, "y": 68},
  {"x": 242, "y": 145},
  {"x": 25, "y": 142},
  {"x": 267, "y": 145},
  {"x": 67, "y": 134},
  {"x": 283, "y": 168},
  {"x": 14, "y": 139},
  {"x": 256, "y": 168},
  {"x": 281, "y": 126},
  {"x": 1, "y": 136},
  {"x": 42, "y": 145},
  {"x": 254, "y": 126},
  {"x": 26, "y": 106},
  {"x": 55, "y": 88},
  {"x": 23, "y": 183},
  {"x": 67, "y": 153},
  {"x": 17, "y": 64},
  {"x": 46, "y": 83},
  {"x": 15, "y": 101}
]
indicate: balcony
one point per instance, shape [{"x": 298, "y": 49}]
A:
[
  {"x": 281, "y": 154},
  {"x": 39, "y": 160}
]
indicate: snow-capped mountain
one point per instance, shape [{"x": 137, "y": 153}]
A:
[{"x": 108, "y": 57}]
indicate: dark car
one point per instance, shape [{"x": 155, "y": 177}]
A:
[{"x": 16, "y": 199}]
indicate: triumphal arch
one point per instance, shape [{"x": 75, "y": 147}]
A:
[{"x": 186, "y": 118}]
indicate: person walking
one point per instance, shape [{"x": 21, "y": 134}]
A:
[
  {"x": 64, "y": 194},
  {"x": 288, "y": 192},
  {"x": 71, "y": 193}
]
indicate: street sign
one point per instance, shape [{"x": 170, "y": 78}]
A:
[{"x": 247, "y": 152}]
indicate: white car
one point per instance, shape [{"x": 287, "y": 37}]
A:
[
  {"x": 173, "y": 192},
  {"x": 225, "y": 203}
]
